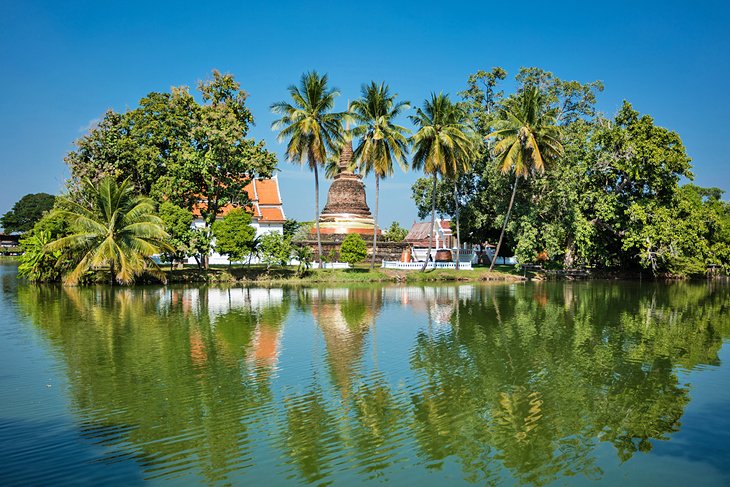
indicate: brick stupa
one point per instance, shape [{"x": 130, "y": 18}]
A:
[{"x": 346, "y": 210}]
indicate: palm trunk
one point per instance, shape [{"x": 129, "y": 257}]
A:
[
  {"x": 316, "y": 215},
  {"x": 431, "y": 236},
  {"x": 458, "y": 232},
  {"x": 111, "y": 274},
  {"x": 504, "y": 226},
  {"x": 375, "y": 230}
]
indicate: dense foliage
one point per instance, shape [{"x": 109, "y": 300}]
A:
[
  {"x": 174, "y": 148},
  {"x": 26, "y": 212},
  {"x": 110, "y": 225},
  {"x": 612, "y": 200}
]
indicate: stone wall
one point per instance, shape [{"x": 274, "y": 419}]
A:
[{"x": 331, "y": 246}]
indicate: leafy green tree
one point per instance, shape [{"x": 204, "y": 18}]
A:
[
  {"x": 234, "y": 235},
  {"x": 527, "y": 136},
  {"x": 26, "y": 212},
  {"x": 312, "y": 128},
  {"x": 171, "y": 147},
  {"x": 275, "y": 249},
  {"x": 395, "y": 233},
  {"x": 225, "y": 159},
  {"x": 111, "y": 225},
  {"x": 353, "y": 249},
  {"x": 443, "y": 144},
  {"x": 382, "y": 141},
  {"x": 178, "y": 225}
]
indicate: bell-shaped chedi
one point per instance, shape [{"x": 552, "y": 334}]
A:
[{"x": 347, "y": 209}]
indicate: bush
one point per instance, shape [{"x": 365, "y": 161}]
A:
[{"x": 353, "y": 249}]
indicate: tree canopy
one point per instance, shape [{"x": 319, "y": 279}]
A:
[
  {"x": 26, "y": 212},
  {"x": 607, "y": 201},
  {"x": 173, "y": 147}
]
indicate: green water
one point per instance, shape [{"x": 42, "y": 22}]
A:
[{"x": 553, "y": 383}]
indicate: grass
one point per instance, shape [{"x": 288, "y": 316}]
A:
[{"x": 359, "y": 274}]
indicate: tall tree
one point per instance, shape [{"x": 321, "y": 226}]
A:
[
  {"x": 382, "y": 141},
  {"x": 26, "y": 212},
  {"x": 312, "y": 127},
  {"x": 195, "y": 155},
  {"x": 443, "y": 142},
  {"x": 527, "y": 137},
  {"x": 112, "y": 225}
]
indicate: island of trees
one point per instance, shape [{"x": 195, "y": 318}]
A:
[{"x": 539, "y": 172}]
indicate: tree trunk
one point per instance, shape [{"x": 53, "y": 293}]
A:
[
  {"x": 111, "y": 274},
  {"x": 504, "y": 226},
  {"x": 458, "y": 231},
  {"x": 375, "y": 230},
  {"x": 431, "y": 235},
  {"x": 316, "y": 215}
]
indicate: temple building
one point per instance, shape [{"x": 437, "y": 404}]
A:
[
  {"x": 346, "y": 210},
  {"x": 266, "y": 208}
]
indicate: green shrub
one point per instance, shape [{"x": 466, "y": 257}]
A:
[{"x": 353, "y": 249}]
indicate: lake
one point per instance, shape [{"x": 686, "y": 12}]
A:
[{"x": 569, "y": 383}]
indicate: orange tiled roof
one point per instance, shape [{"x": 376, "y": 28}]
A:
[
  {"x": 271, "y": 214},
  {"x": 266, "y": 205}
]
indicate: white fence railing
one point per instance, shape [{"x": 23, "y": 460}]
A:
[
  {"x": 395, "y": 264},
  {"x": 331, "y": 265}
]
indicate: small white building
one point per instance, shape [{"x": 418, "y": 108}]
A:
[{"x": 267, "y": 212}]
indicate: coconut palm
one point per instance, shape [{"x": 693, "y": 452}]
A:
[
  {"x": 527, "y": 138},
  {"x": 442, "y": 144},
  {"x": 112, "y": 226},
  {"x": 312, "y": 128},
  {"x": 457, "y": 167},
  {"x": 382, "y": 141}
]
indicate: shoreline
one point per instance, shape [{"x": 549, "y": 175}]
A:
[{"x": 282, "y": 276}]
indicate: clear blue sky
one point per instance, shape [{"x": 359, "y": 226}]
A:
[{"x": 64, "y": 63}]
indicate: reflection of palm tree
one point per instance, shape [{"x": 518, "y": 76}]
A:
[
  {"x": 310, "y": 434},
  {"x": 136, "y": 381}
]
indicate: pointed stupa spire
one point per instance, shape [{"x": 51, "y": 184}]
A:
[{"x": 345, "y": 162}]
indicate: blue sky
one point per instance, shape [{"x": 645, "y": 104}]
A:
[{"x": 64, "y": 63}]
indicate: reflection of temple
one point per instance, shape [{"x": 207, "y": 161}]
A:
[
  {"x": 345, "y": 316},
  {"x": 346, "y": 210},
  {"x": 438, "y": 302}
]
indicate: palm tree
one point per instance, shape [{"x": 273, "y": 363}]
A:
[
  {"x": 527, "y": 137},
  {"x": 112, "y": 226},
  {"x": 312, "y": 128},
  {"x": 442, "y": 144},
  {"x": 457, "y": 167},
  {"x": 382, "y": 141}
]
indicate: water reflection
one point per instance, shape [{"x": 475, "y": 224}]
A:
[{"x": 504, "y": 381}]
